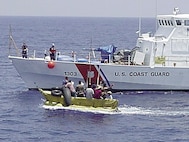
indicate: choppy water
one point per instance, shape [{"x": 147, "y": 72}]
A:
[{"x": 143, "y": 117}]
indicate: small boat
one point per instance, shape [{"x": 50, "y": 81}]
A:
[{"x": 58, "y": 97}]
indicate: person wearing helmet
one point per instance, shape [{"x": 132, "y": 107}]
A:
[{"x": 52, "y": 52}]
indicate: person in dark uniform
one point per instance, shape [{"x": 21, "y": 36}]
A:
[
  {"x": 24, "y": 50},
  {"x": 52, "y": 52}
]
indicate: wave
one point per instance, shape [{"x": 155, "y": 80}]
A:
[
  {"x": 127, "y": 110},
  {"x": 167, "y": 111}
]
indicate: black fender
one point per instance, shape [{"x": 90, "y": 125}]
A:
[{"x": 67, "y": 96}]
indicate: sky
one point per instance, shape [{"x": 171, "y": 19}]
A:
[{"x": 91, "y": 8}]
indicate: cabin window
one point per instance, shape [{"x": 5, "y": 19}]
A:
[
  {"x": 178, "y": 22},
  {"x": 162, "y": 22},
  {"x": 166, "y": 22},
  {"x": 159, "y": 22},
  {"x": 186, "y": 22}
]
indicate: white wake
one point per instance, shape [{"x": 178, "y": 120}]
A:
[{"x": 127, "y": 110}]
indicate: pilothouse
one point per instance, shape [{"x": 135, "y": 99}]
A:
[{"x": 170, "y": 44}]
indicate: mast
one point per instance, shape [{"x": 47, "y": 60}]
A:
[
  {"x": 10, "y": 31},
  {"x": 139, "y": 20},
  {"x": 156, "y": 13},
  {"x": 11, "y": 41}
]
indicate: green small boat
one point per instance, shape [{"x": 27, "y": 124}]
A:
[{"x": 64, "y": 99}]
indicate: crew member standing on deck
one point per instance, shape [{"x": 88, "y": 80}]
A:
[
  {"x": 52, "y": 52},
  {"x": 24, "y": 50}
]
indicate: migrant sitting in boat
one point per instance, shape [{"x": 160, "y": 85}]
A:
[
  {"x": 101, "y": 92},
  {"x": 80, "y": 89},
  {"x": 98, "y": 92},
  {"x": 93, "y": 91},
  {"x": 89, "y": 92},
  {"x": 106, "y": 93}
]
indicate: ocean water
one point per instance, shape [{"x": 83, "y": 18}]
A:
[{"x": 144, "y": 116}]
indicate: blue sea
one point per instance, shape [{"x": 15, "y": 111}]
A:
[{"x": 145, "y": 116}]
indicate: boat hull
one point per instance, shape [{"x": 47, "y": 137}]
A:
[
  {"x": 37, "y": 74},
  {"x": 146, "y": 78},
  {"x": 100, "y": 104}
]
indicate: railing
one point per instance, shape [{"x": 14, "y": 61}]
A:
[
  {"x": 67, "y": 56},
  {"x": 86, "y": 56}
]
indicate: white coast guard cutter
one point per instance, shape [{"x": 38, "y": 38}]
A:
[{"x": 158, "y": 62}]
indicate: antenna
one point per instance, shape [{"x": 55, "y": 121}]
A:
[
  {"x": 10, "y": 33},
  {"x": 156, "y": 13},
  {"x": 92, "y": 50},
  {"x": 139, "y": 22},
  {"x": 139, "y": 26}
]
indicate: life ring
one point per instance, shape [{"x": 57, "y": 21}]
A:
[
  {"x": 67, "y": 96},
  {"x": 56, "y": 92}
]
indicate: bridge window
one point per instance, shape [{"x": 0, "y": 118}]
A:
[
  {"x": 186, "y": 22},
  {"x": 164, "y": 22},
  {"x": 178, "y": 22},
  {"x": 159, "y": 22},
  {"x": 168, "y": 23}
]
